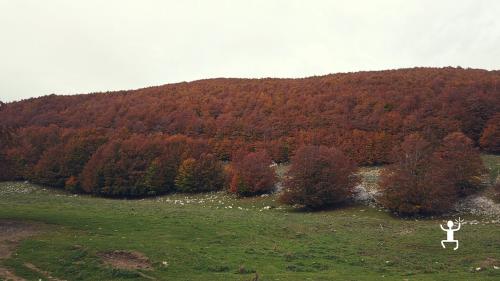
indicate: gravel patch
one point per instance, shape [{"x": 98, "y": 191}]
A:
[{"x": 479, "y": 205}]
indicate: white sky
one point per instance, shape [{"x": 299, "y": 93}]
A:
[{"x": 68, "y": 47}]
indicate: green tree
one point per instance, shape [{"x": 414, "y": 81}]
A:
[
  {"x": 186, "y": 176},
  {"x": 200, "y": 175}
]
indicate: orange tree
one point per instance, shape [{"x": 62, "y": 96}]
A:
[{"x": 319, "y": 177}]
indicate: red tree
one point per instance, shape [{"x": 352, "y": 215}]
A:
[
  {"x": 461, "y": 163},
  {"x": 413, "y": 185},
  {"x": 490, "y": 139},
  {"x": 251, "y": 174},
  {"x": 319, "y": 177}
]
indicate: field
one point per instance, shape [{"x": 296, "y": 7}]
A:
[{"x": 218, "y": 237}]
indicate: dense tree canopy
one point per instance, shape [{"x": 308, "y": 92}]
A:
[
  {"x": 58, "y": 139},
  {"x": 200, "y": 175}
]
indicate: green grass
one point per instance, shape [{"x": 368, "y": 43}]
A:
[
  {"x": 204, "y": 239},
  {"x": 492, "y": 163}
]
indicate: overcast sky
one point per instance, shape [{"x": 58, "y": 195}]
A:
[{"x": 68, "y": 47}]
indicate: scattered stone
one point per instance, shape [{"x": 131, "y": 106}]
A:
[{"x": 479, "y": 205}]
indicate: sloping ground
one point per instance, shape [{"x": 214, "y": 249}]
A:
[
  {"x": 215, "y": 236},
  {"x": 218, "y": 237},
  {"x": 11, "y": 232}
]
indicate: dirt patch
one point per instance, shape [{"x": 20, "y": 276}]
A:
[
  {"x": 9, "y": 276},
  {"x": 42, "y": 272},
  {"x": 489, "y": 262},
  {"x": 126, "y": 260},
  {"x": 11, "y": 232}
]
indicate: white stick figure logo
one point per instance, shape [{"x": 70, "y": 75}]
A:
[{"x": 450, "y": 233}]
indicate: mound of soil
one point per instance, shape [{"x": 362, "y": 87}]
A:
[{"x": 126, "y": 260}]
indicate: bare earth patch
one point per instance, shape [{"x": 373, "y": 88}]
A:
[
  {"x": 11, "y": 232},
  {"x": 490, "y": 263},
  {"x": 130, "y": 260},
  {"x": 42, "y": 272}
]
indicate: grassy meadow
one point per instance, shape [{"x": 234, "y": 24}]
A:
[{"x": 216, "y": 236}]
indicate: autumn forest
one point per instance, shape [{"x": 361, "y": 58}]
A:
[{"x": 137, "y": 142}]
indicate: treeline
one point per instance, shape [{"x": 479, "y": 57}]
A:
[
  {"x": 363, "y": 114},
  {"x": 121, "y": 164},
  {"x": 423, "y": 179},
  {"x": 176, "y": 137}
]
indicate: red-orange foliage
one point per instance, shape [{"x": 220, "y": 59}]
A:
[
  {"x": 319, "y": 177},
  {"x": 251, "y": 174},
  {"x": 363, "y": 114},
  {"x": 412, "y": 185},
  {"x": 66, "y": 159},
  {"x": 425, "y": 180},
  {"x": 490, "y": 140},
  {"x": 139, "y": 165},
  {"x": 30, "y": 144},
  {"x": 461, "y": 163}
]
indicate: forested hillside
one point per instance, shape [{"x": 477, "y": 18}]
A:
[{"x": 129, "y": 138}]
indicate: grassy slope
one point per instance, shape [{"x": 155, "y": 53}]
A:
[{"x": 205, "y": 240}]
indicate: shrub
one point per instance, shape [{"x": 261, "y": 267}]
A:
[
  {"x": 204, "y": 174},
  {"x": 461, "y": 163},
  {"x": 425, "y": 180},
  {"x": 319, "y": 177},
  {"x": 490, "y": 139},
  {"x": 251, "y": 174}
]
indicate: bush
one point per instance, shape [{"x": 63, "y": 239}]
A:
[
  {"x": 490, "y": 139},
  {"x": 251, "y": 174},
  {"x": 319, "y": 177},
  {"x": 202, "y": 175},
  {"x": 427, "y": 180},
  {"x": 461, "y": 162},
  {"x": 407, "y": 185}
]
